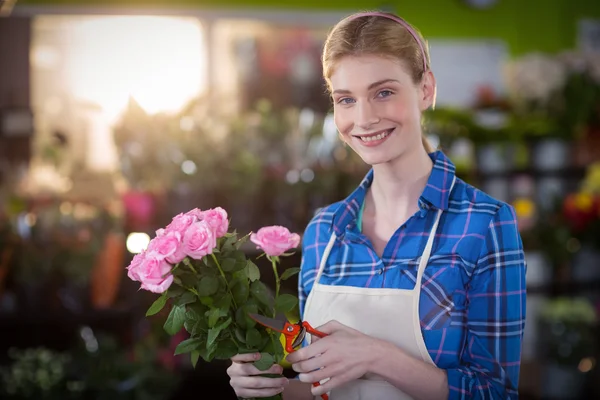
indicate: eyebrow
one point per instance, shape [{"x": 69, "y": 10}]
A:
[{"x": 371, "y": 86}]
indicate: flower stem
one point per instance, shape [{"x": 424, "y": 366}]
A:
[
  {"x": 224, "y": 278},
  {"x": 277, "y": 281}
]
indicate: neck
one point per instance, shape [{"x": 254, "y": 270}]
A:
[{"x": 397, "y": 185}]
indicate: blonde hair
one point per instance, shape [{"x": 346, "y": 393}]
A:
[{"x": 379, "y": 34}]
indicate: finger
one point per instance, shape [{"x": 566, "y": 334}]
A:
[
  {"x": 331, "y": 383},
  {"x": 249, "y": 387},
  {"x": 247, "y": 357},
  {"x": 258, "y": 383},
  {"x": 258, "y": 393},
  {"x": 309, "y": 365},
  {"x": 248, "y": 369},
  {"x": 312, "y": 350}
]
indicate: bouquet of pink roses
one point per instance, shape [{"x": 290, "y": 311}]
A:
[{"x": 200, "y": 272}]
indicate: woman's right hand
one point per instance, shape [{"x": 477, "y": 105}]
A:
[{"x": 246, "y": 381}]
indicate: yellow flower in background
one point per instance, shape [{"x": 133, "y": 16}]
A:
[
  {"x": 591, "y": 182},
  {"x": 524, "y": 207},
  {"x": 583, "y": 201}
]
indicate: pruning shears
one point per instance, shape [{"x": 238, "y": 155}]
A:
[{"x": 294, "y": 333}]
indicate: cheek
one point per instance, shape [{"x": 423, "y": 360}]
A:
[
  {"x": 401, "y": 110},
  {"x": 343, "y": 120}
]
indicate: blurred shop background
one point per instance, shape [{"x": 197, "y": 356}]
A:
[{"x": 117, "y": 115}]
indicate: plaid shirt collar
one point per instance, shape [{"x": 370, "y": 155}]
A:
[{"x": 435, "y": 195}]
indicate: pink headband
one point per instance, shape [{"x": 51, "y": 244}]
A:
[{"x": 401, "y": 22}]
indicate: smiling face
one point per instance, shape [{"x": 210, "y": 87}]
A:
[{"x": 377, "y": 106}]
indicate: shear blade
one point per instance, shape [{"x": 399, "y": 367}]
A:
[
  {"x": 276, "y": 324},
  {"x": 298, "y": 341}
]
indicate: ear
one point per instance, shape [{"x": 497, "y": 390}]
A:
[{"x": 428, "y": 90}]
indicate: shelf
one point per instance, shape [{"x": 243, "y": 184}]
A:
[{"x": 572, "y": 172}]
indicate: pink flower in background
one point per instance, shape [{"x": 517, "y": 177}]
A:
[
  {"x": 181, "y": 223},
  {"x": 275, "y": 240},
  {"x": 217, "y": 220},
  {"x": 168, "y": 246},
  {"x": 152, "y": 271},
  {"x": 199, "y": 240}
]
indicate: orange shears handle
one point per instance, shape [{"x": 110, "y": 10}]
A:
[{"x": 291, "y": 331}]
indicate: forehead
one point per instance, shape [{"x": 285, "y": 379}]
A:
[{"x": 358, "y": 72}]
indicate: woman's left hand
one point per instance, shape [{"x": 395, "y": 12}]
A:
[{"x": 343, "y": 356}]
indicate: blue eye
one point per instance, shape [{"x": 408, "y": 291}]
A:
[
  {"x": 346, "y": 100},
  {"x": 385, "y": 93}
]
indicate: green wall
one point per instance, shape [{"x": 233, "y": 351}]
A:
[{"x": 526, "y": 25}]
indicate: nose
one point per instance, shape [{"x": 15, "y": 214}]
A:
[{"x": 366, "y": 115}]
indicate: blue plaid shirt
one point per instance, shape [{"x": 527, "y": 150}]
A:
[{"x": 472, "y": 306}]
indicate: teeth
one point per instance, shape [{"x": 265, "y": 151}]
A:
[{"x": 375, "y": 137}]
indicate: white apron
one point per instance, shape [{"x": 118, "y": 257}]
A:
[{"x": 388, "y": 314}]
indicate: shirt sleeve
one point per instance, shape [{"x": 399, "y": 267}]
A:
[{"x": 496, "y": 296}]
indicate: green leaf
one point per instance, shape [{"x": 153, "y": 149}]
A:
[
  {"x": 252, "y": 271},
  {"x": 207, "y": 354},
  {"x": 288, "y": 273},
  {"x": 240, "y": 290},
  {"x": 253, "y": 337},
  {"x": 208, "y": 286},
  {"x": 175, "y": 320},
  {"x": 285, "y": 303},
  {"x": 228, "y": 264},
  {"x": 187, "y": 345},
  {"x": 265, "y": 362},
  {"x": 226, "y": 349},
  {"x": 213, "y": 317},
  {"x": 186, "y": 298},
  {"x": 207, "y": 300},
  {"x": 224, "y": 324},
  {"x": 194, "y": 357},
  {"x": 242, "y": 240},
  {"x": 273, "y": 346},
  {"x": 213, "y": 333},
  {"x": 259, "y": 291},
  {"x": 224, "y": 303},
  {"x": 195, "y": 319},
  {"x": 242, "y": 318},
  {"x": 228, "y": 243},
  {"x": 240, "y": 335},
  {"x": 157, "y": 305},
  {"x": 175, "y": 291}
]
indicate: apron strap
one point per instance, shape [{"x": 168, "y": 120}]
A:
[{"x": 325, "y": 257}]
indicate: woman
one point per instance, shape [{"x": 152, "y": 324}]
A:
[{"x": 417, "y": 277}]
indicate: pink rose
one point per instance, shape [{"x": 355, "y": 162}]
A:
[
  {"x": 199, "y": 240},
  {"x": 217, "y": 220},
  {"x": 152, "y": 271},
  {"x": 275, "y": 240},
  {"x": 168, "y": 246},
  {"x": 196, "y": 213},
  {"x": 180, "y": 223},
  {"x": 134, "y": 265}
]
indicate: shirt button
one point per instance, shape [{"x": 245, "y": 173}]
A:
[{"x": 379, "y": 271}]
